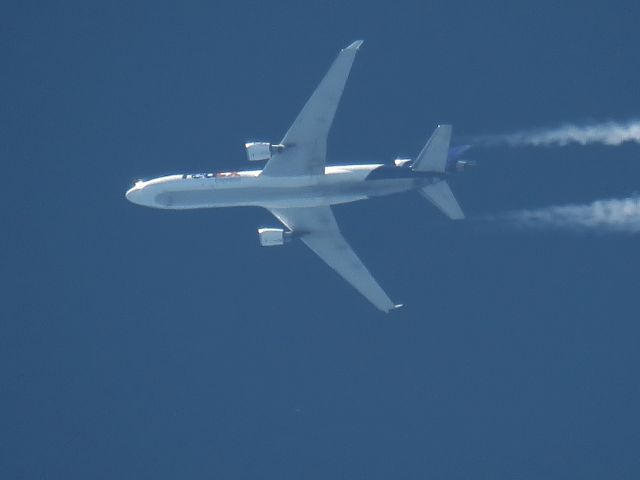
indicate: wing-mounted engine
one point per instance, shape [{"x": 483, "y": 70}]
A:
[
  {"x": 258, "y": 151},
  {"x": 273, "y": 237}
]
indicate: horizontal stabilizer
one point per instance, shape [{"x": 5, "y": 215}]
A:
[
  {"x": 433, "y": 157},
  {"x": 442, "y": 197}
]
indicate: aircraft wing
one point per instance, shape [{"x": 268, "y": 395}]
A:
[
  {"x": 306, "y": 141},
  {"x": 317, "y": 228}
]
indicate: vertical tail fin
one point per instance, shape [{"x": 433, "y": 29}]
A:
[
  {"x": 442, "y": 197},
  {"x": 433, "y": 157}
]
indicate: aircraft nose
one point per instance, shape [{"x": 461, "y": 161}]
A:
[
  {"x": 130, "y": 194},
  {"x": 134, "y": 194}
]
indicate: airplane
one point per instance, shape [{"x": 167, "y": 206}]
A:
[{"x": 298, "y": 188}]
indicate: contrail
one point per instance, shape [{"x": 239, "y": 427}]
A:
[
  {"x": 608, "y": 133},
  {"x": 613, "y": 215}
]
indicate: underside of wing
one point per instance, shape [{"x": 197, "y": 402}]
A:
[
  {"x": 305, "y": 144},
  {"x": 317, "y": 228}
]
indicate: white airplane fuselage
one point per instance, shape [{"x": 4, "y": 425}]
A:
[
  {"x": 297, "y": 187},
  {"x": 339, "y": 184}
]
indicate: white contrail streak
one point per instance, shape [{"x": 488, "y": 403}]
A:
[
  {"x": 609, "y": 133},
  {"x": 614, "y": 215}
]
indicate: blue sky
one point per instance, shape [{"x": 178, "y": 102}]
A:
[{"x": 148, "y": 344}]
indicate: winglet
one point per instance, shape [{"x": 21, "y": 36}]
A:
[{"x": 355, "y": 45}]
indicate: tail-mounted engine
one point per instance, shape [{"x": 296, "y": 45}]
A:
[
  {"x": 257, "y": 151},
  {"x": 461, "y": 165},
  {"x": 273, "y": 237},
  {"x": 454, "y": 161},
  {"x": 402, "y": 162}
]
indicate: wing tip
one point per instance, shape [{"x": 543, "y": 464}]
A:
[
  {"x": 397, "y": 306},
  {"x": 355, "y": 45}
]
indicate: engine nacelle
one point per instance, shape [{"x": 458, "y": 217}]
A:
[
  {"x": 273, "y": 237},
  {"x": 463, "y": 165},
  {"x": 402, "y": 162},
  {"x": 455, "y": 163},
  {"x": 257, "y": 151}
]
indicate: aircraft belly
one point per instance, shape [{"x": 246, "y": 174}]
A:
[
  {"x": 380, "y": 188},
  {"x": 323, "y": 193}
]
